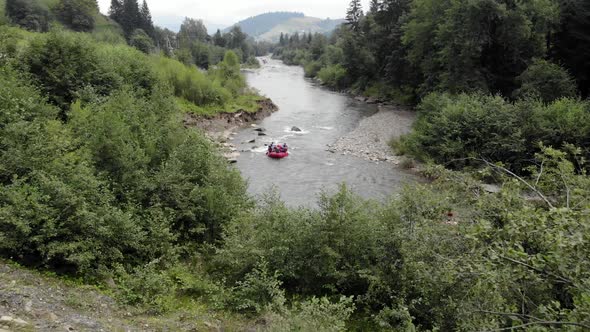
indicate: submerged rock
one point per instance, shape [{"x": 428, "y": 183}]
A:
[{"x": 261, "y": 134}]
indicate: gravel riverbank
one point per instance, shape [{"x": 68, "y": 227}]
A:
[{"x": 370, "y": 139}]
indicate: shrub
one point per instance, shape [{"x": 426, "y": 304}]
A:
[
  {"x": 62, "y": 63},
  {"x": 189, "y": 83},
  {"x": 140, "y": 40},
  {"x": 259, "y": 291},
  {"x": 451, "y": 129},
  {"x": 77, "y": 15},
  {"x": 334, "y": 76},
  {"x": 29, "y": 14},
  {"x": 312, "y": 68},
  {"x": 547, "y": 81},
  {"x": 315, "y": 314},
  {"x": 147, "y": 286}
]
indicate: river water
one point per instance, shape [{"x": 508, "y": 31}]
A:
[{"x": 323, "y": 116}]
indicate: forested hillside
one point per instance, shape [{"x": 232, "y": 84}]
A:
[
  {"x": 268, "y": 27},
  {"x": 259, "y": 24},
  {"x": 101, "y": 184}
]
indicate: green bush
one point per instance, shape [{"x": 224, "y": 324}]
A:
[
  {"x": 62, "y": 63},
  {"x": 147, "y": 286},
  {"x": 29, "y": 14},
  {"x": 141, "y": 41},
  {"x": 547, "y": 81},
  {"x": 316, "y": 314},
  {"x": 312, "y": 68},
  {"x": 54, "y": 210},
  {"x": 78, "y": 15},
  {"x": 189, "y": 83},
  {"x": 259, "y": 291},
  {"x": 451, "y": 129},
  {"x": 334, "y": 76},
  {"x": 227, "y": 74}
]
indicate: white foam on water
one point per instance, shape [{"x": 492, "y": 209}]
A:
[
  {"x": 324, "y": 128},
  {"x": 302, "y": 132}
]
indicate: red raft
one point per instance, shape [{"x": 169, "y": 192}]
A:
[
  {"x": 277, "y": 155},
  {"x": 278, "y": 151}
]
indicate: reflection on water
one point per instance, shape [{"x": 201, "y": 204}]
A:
[{"x": 323, "y": 116}]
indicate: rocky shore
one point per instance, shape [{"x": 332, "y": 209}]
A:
[
  {"x": 224, "y": 125},
  {"x": 370, "y": 140}
]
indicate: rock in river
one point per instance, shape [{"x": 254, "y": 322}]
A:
[{"x": 295, "y": 129}]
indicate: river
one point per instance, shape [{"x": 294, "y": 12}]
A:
[{"x": 323, "y": 116}]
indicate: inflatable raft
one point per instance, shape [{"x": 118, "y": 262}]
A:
[{"x": 277, "y": 155}]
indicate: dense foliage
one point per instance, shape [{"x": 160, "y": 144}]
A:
[
  {"x": 406, "y": 49},
  {"x": 100, "y": 180},
  {"x": 102, "y": 173},
  {"x": 452, "y": 129}
]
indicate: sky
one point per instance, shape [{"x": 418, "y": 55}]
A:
[{"x": 228, "y": 12}]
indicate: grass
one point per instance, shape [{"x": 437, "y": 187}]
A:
[
  {"x": 247, "y": 103},
  {"x": 75, "y": 298}
]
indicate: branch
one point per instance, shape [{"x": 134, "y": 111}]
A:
[
  {"x": 562, "y": 279},
  {"x": 551, "y": 323},
  {"x": 513, "y": 175},
  {"x": 537, "y": 321},
  {"x": 540, "y": 173}
]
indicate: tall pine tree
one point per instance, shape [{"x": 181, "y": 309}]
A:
[
  {"x": 146, "y": 20},
  {"x": 116, "y": 10},
  {"x": 354, "y": 14}
]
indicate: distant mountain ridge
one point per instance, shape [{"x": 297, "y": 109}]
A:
[
  {"x": 259, "y": 24},
  {"x": 269, "y": 26}
]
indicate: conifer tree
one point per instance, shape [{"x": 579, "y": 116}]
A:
[
  {"x": 354, "y": 14},
  {"x": 147, "y": 24},
  {"x": 116, "y": 10},
  {"x": 375, "y": 6}
]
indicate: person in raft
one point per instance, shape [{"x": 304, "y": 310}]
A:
[
  {"x": 270, "y": 147},
  {"x": 285, "y": 148}
]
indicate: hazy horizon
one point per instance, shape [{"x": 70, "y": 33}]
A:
[{"x": 224, "y": 13}]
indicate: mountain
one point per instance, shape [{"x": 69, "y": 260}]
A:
[
  {"x": 269, "y": 26},
  {"x": 173, "y": 23},
  {"x": 301, "y": 25}
]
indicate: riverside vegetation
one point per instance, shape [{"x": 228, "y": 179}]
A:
[{"x": 101, "y": 183}]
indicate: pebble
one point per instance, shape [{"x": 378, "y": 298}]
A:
[{"x": 374, "y": 133}]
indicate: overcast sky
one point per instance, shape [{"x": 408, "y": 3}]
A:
[{"x": 227, "y": 12}]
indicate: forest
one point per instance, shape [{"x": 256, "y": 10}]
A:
[{"x": 101, "y": 184}]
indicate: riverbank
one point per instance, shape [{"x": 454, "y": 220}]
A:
[
  {"x": 222, "y": 126},
  {"x": 370, "y": 140}
]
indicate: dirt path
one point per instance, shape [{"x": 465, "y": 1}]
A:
[{"x": 370, "y": 140}]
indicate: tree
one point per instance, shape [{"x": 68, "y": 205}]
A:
[
  {"x": 571, "y": 43},
  {"x": 78, "y": 15},
  {"x": 29, "y": 14},
  {"x": 116, "y": 10},
  {"x": 165, "y": 41},
  {"x": 546, "y": 80},
  {"x": 375, "y": 6},
  {"x": 147, "y": 24},
  {"x": 127, "y": 14},
  {"x": 62, "y": 64},
  {"x": 140, "y": 40},
  {"x": 219, "y": 39},
  {"x": 191, "y": 30},
  {"x": 354, "y": 14}
]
